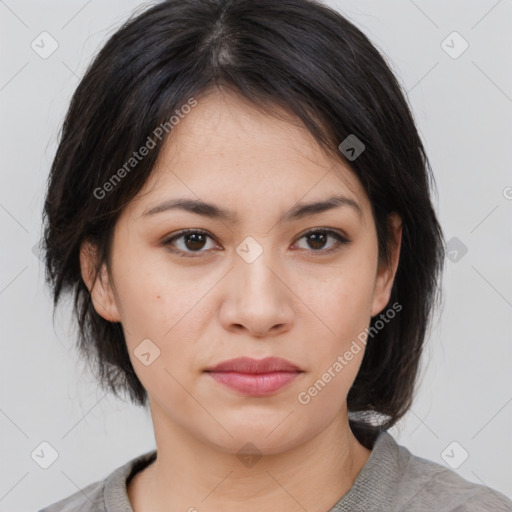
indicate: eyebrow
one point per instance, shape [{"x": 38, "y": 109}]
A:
[{"x": 217, "y": 212}]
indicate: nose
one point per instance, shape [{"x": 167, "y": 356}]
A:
[{"x": 257, "y": 298}]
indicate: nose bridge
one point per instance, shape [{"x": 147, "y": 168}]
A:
[
  {"x": 259, "y": 301},
  {"x": 253, "y": 266}
]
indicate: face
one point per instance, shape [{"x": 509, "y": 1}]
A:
[{"x": 255, "y": 282}]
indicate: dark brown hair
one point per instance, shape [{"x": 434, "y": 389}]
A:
[{"x": 295, "y": 54}]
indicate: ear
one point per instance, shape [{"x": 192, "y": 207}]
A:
[
  {"x": 99, "y": 285},
  {"x": 386, "y": 273}
]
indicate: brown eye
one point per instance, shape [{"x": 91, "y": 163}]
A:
[
  {"x": 318, "y": 238},
  {"x": 194, "y": 241},
  {"x": 191, "y": 241}
]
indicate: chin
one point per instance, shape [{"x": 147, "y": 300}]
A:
[{"x": 261, "y": 439}]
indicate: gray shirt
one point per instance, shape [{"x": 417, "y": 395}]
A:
[{"x": 392, "y": 480}]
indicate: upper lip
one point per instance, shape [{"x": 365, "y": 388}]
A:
[{"x": 249, "y": 365}]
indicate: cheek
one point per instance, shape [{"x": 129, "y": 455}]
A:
[
  {"x": 341, "y": 296},
  {"x": 165, "y": 315},
  {"x": 149, "y": 295},
  {"x": 342, "y": 304},
  {"x": 154, "y": 309},
  {"x": 171, "y": 308}
]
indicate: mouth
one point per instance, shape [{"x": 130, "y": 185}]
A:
[{"x": 255, "y": 377}]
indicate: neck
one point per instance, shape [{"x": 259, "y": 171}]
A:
[{"x": 192, "y": 475}]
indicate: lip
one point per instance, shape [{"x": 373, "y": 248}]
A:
[
  {"x": 250, "y": 365},
  {"x": 255, "y": 377}
]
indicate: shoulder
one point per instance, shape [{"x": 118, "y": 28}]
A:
[
  {"x": 108, "y": 495},
  {"x": 88, "y": 499},
  {"x": 424, "y": 485}
]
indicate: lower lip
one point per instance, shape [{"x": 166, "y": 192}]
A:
[{"x": 255, "y": 384}]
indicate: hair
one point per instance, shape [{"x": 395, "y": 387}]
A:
[{"x": 296, "y": 55}]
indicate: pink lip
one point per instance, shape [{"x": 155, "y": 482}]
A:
[{"x": 257, "y": 377}]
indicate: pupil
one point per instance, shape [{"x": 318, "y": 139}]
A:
[
  {"x": 193, "y": 239},
  {"x": 316, "y": 237}
]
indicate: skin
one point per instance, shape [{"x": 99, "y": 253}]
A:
[{"x": 294, "y": 301}]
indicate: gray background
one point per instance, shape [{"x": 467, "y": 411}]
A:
[{"x": 463, "y": 109}]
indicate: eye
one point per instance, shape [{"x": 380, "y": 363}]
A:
[
  {"x": 193, "y": 241},
  {"x": 317, "y": 239}
]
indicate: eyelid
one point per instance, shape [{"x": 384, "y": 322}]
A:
[
  {"x": 166, "y": 242},
  {"x": 327, "y": 230},
  {"x": 341, "y": 240},
  {"x": 340, "y": 236}
]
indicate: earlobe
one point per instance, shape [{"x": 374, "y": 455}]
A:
[
  {"x": 98, "y": 283},
  {"x": 386, "y": 273}
]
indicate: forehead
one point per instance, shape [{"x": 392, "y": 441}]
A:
[{"x": 226, "y": 149}]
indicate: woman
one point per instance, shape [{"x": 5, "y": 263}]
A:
[{"x": 240, "y": 205}]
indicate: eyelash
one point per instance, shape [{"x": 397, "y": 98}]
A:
[{"x": 340, "y": 241}]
